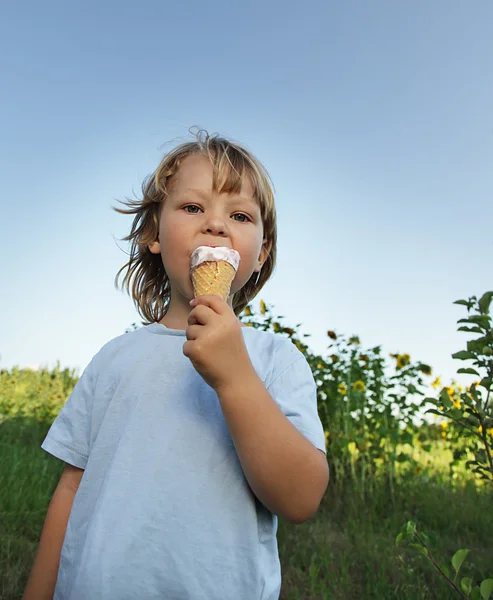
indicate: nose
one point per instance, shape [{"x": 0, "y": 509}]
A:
[{"x": 215, "y": 225}]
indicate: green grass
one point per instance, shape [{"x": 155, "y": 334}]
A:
[{"x": 347, "y": 551}]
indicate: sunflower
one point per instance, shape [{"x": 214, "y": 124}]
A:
[
  {"x": 403, "y": 360},
  {"x": 359, "y": 386},
  {"x": 437, "y": 383}
]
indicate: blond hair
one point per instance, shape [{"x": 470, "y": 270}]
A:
[{"x": 145, "y": 279}]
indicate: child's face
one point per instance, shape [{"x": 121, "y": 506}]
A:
[{"x": 193, "y": 215}]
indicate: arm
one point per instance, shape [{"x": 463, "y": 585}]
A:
[
  {"x": 287, "y": 473},
  {"x": 42, "y": 580}
]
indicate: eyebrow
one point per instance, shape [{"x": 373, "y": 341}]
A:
[{"x": 233, "y": 196}]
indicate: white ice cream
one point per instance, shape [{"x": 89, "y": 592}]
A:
[{"x": 206, "y": 253}]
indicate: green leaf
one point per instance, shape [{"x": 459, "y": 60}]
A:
[
  {"x": 482, "y": 320},
  {"x": 420, "y": 548},
  {"x": 403, "y": 457},
  {"x": 445, "y": 569},
  {"x": 475, "y": 594},
  {"x": 468, "y": 371},
  {"x": 486, "y": 588},
  {"x": 410, "y": 528},
  {"x": 477, "y": 344},
  {"x": 458, "y": 558},
  {"x": 399, "y": 538},
  {"x": 430, "y": 399},
  {"x": 484, "y": 302},
  {"x": 474, "y": 329},
  {"x": 463, "y": 355},
  {"x": 485, "y": 382},
  {"x": 433, "y": 411},
  {"x": 463, "y": 302},
  {"x": 466, "y": 585},
  {"x": 445, "y": 398},
  {"x": 426, "y": 447}
]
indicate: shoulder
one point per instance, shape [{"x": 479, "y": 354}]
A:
[
  {"x": 275, "y": 350},
  {"x": 118, "y": 347}
]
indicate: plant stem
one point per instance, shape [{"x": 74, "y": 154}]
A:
[
  {"x": 487, "y": 448},
  {"x": 437, "y": 566},
  {"x": 490, "y": 375}
]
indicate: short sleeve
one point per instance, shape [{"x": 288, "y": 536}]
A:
[
  {"x": 69, "y": 436},
  {"x": 293, "y": 388}
]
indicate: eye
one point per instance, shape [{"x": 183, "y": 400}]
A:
[
  {"x": 241, "y": 220},
  {"x": 191, "y": 206}
]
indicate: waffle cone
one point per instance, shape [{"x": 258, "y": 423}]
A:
[{"x": 212, "y": 277}]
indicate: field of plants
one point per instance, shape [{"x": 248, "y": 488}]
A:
[{"x": 408, "y": 513}]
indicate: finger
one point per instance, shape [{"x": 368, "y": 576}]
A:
[
  {"x": 193, "y": 331},
  {"x": 216, "y": 303},
  {"x": 200, "y": 315}
]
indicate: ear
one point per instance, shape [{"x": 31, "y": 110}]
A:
[
  {"x": 264, "y": 252},
  {"x": 155, "y": 247}
]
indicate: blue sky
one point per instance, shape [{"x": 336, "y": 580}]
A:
[{"x": 373, "y": 118}]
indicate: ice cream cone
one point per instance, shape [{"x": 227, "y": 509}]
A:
[{"x": 213, "y": 270}]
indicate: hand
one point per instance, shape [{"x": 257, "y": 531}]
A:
[{"x": 215, "y": 343}]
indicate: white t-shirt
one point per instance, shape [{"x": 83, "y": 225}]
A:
[{"x": 164, "y": 510}]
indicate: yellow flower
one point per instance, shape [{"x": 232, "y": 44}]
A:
[
  {"x": 352, "y": 448},
  {"x": 444, "y": 434},
  {"x": 354, "y": 339},
  {"x": 456, "y": 403},
  {"x": 359, "y": 386},
  {"x": 326, "y": 440},
  {"x": 480, "y": 429},
  {"x": 444, "y": 425},
  {"x": 441, "y": 407},
  {"x": 334, "y": 358},
  {"x": 342, "y": 389},
  {"x": 320, "y": 366},
  {"x": 490, "y": 431},
  {"x": 275, "y": 327},
  {"x": 263, "y": 308},
  {"x": 248, "y": 311},
  {"x": 437, "y": 383},
  {"x": 332, "y": 335},
  {"x": 249, "y": 324},
  {"x": 403, "y": 360},
  {"x": 450, "y": 392}
]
